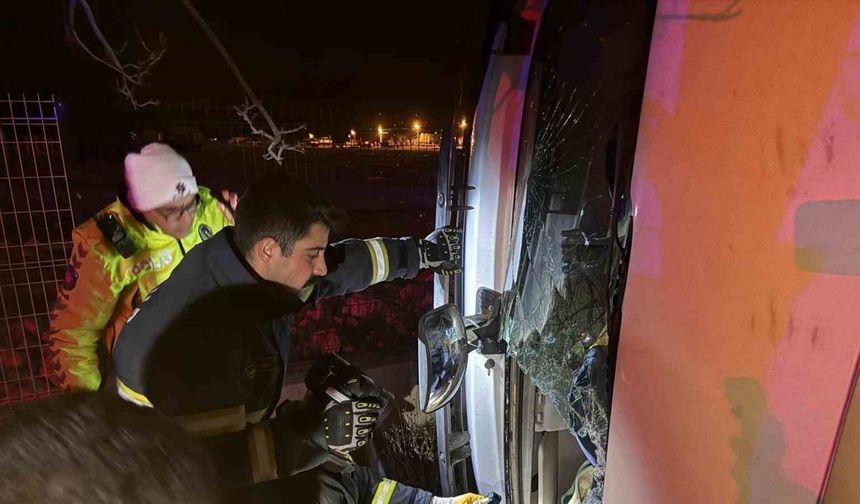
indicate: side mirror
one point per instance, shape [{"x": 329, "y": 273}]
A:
[
  {"x": 445, "y": 339},
  {"x": 442, "y": 355}
]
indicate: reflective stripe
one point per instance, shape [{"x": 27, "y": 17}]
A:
[
  {"x": 214, "y": 423},
  {"x": 374, "y": 262},
  {"x": 131, "y": 396},
  {"x": 208, "y": 423},
  {"x": 385, "y": 260},
  {"x": 384, "y": 491},
  {"x": 379, "y": 258},
  {"x": 390, "y": 492},
  {"x": 305, "y": 294},
  {"x": 256, "y": 416},
  {"x": 134, "y": 313},
  {"x": 337, "y": 395},
  {"x": 261, "y": 449}
]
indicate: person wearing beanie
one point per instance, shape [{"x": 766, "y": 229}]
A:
[{"x": 121, "y": 254}]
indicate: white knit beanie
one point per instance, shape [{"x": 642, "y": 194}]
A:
[{"x": 157, "y": 176}]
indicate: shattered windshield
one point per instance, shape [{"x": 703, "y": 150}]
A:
[
  {"x": 565, "y": 279},
  {"x": 559, "y": 303}
]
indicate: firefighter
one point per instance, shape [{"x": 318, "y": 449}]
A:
[
  {"x": 122, "y": 253},
  {"x": 210, "y": 345}
]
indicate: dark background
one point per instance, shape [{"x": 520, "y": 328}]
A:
[{"x": 372, "y": 61}]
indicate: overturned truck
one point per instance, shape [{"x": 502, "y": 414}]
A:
[{"x": 659, "y": 208}]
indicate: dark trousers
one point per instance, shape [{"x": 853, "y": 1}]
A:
[{"x": 314, "y": 486}]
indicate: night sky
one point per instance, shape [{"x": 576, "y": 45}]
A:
[{"x": 389, "y": 57}]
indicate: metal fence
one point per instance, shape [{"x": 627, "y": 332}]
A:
[{"x": 36, "y": 222}]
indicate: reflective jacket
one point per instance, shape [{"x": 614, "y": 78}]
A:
[
  {"x": 209, "y": 347},
  {"x": 100, "y": 286}
]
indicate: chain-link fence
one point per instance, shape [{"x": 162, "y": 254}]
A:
[{"x": 36, "y": 217}]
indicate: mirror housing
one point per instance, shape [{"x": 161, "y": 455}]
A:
[
  {"x": 442, "y": 356},
  {"x": 445, "y": 339}
]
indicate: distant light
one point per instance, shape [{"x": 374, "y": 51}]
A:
[
  {"x": 352, "y": 132},
  {"x": 379, "y": 129},
  {"x": 463, "y": 123},
  {"x": 311, "y": 136},
  {"x": 416, "y": 126}
]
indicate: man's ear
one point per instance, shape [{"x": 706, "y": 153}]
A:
[{"x": 266, "y": 249}]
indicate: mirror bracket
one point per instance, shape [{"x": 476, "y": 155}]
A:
[{"x": 482, "y": 330}]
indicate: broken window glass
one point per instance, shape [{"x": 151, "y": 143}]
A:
[{"x": 562, "y": 309}]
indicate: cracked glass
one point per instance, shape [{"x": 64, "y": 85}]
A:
[{"x": 565, "y": 279}]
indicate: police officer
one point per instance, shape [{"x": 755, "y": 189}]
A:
[
  {"x": 210, "y": 345},
  {"x": 121, "y": 254}
]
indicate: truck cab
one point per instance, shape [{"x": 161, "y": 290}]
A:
[{"x": 659, "y": 205}]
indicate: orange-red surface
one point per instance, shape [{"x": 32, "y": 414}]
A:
[{"x": 736, "y": 355}]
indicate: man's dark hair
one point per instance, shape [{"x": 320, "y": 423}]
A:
[
  {"x": 95, "y": 448},
  {"x": 280, "y": 207}
]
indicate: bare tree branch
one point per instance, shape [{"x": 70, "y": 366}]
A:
[
  {"x": 277, "y": 145},
  {"x": 130, "y": 76},
  {"x": 279, "y": 139}
]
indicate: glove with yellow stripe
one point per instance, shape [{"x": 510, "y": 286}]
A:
[
  {"x": 441, "y": 251},
  {"x": 352, "y": 403},
  {"x": 468, "y": 498}
]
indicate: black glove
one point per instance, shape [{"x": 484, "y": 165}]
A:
[
  {"x": 440, "y": 251},
  {"x": 351, "y": 401}
]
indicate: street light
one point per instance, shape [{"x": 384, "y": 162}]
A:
[
  {"x": 311, "y": 136},
  {"x": 379, "y": 130},
  {"x": 417, "y": 127},
  {"x": 463, "y": 124}
]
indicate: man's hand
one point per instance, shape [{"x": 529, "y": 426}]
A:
[
  {"x": 441, "y": 251},
  {"x": 228, "y": 203},
  {"x": 349, "y": 425},
  {"x": 352, "y": 402},
  {"x": 468, "y": 498}
]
